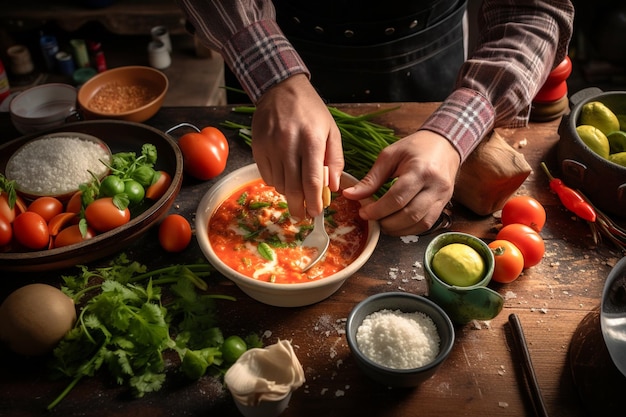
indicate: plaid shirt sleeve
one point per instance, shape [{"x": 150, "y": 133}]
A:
[
  {"x": 248, "y": 37},
  {"x": 520, "y": 42}
]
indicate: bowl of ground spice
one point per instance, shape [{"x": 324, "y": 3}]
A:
[
  {"x": 399, "y": 339},
  {"x": 132, "y": 93}
]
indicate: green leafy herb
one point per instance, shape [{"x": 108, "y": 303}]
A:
[
  {"x": 266, "y": 251},
  {"x": 8, "y": 186},
  {"x": 126, "y": 325}
]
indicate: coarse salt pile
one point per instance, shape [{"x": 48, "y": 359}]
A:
[
  {"x": 398, "y": 340},
  {"x": 56, "y": 165}
]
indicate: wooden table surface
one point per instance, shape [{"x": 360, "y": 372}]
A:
[{"x": 483, "y": 375}]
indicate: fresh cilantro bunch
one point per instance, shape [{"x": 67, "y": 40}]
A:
[{"x": 132, "y": 317}]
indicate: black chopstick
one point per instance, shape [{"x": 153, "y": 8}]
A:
[{"x": 529, "y": 371}]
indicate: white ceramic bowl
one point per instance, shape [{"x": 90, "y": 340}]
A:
[
  {"x": 280, "y": 295},
  {"x": 43, "y": 107}
]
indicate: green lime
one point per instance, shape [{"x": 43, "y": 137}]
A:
[
  {"x": 599, "y": 115},
  {"x": 618, "y": 158},
  {"x": 617, "y": 141},
  {"x": 595, "y": 139},
  {"x": 458, "y": 264},
  {"x": 622, "y": 121}
]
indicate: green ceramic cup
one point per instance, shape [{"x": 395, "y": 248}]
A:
[{"x": 463, "y": 304}]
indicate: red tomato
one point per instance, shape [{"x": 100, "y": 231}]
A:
[
  {"x": 58, "y": 222},
  {"x": 6, "y": 232},
  {"x": 31, "y": 230},
  {"x": 71, "y": 235},
  {"x": 103, "y": 215},
  {"x": 509, "y": 261},
  {"x": 5, "y": 211},
  {"x": 527, "y": 241},
  {"x": 158, "y": 188},
  {"x": 75, "y": 203},
  {"x": 174, "y": 233},
  {"x": 204, "y": 153},
  {"x": 46, "y": 207},
  {"x": 525, "y": 210}
]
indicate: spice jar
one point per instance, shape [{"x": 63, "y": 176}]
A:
[
  {"x": 21, "y": 61},
  {"x": 158, "y": 55}
]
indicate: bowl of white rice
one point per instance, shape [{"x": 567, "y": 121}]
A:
[
  {"x": 56, "y": 164},
  {"x": 399, "y": 339}
]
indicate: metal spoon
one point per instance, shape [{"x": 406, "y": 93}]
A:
[
  {"x": 613, "y": 314},
  {"x": 318, "y": 238}
]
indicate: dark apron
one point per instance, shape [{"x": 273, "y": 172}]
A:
[{"x": 374, "y": 51}]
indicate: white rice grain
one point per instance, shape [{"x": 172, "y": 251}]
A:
[{"x": 56, "y": 165}]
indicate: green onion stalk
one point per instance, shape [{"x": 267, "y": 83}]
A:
[{"x": 362, "y": 139}]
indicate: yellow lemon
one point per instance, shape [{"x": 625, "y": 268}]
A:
[
  {"x": 617, "y": 141},
  {"x": 458, "y": 264},
  {"x": 599, "y": 115},
  {"x": 618, "y": 158},
  {"x": 595, "y": 139}
]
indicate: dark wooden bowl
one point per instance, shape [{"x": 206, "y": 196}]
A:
[{"x": 120, "y": 136}]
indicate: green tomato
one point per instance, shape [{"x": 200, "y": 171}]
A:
[
  {"x": 232, "y": 348},
  {"x": 111, "y": 185},
  {"x": 134, "y": 191}
]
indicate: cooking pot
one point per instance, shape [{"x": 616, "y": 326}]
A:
[{"x": 601, "y": 181}]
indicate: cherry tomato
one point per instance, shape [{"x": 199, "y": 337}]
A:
[
  {"x": 58, "y": 222},
  {"x": 46, "y": 207},
  {"x": 6, "y": 231},
  {"x": 509, "y": 261},
  {"x": 75, "y": 203},
  {"x": 174, "y": 233},
  {"x": 204, "y": 153},
  {"x": 525, "y": 210},
  {"x": 527, "y": 241},
  {"x": 158, "y": 187},
  {"x": 71, "y": 235},
  {"x": 31, "y": 230},
  {"x": 134, "y": 191},
  {"x": 7, "y": 212},
  {"x": 232, "y": 348},
  {"x": 103, "y": 215},
  {"x": 111, "y": 185}
]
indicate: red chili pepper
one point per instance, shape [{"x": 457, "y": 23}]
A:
[{"x": 570, "y": 198}]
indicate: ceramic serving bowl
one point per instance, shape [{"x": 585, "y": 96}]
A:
[
  {"x": 120, "y": 136},
  {"x": 600, "y": 180},
  {"x": 43, "y": 107},
  {"x": 276, "y": 294},
  {"x": 405, "y": 303},
  {"x": 108, "y": 94},
  {"x": 463, "y": 304}
]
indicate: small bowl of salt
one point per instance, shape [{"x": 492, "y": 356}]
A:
[{"x": 399, "y": 339}]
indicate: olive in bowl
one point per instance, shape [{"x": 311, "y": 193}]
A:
[{"x": 399, "y": 339}]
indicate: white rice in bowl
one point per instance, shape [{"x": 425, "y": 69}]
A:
[{"x": 57, "y": 165}]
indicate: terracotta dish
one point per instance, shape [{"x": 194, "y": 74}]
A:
[
  {"x": 120, "y": 136},
  {"x": 132, "y": 93}
]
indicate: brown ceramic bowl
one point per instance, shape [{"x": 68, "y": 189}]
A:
[
  {"x": 99, "y": 98},
  {"x": 600, "y": 180},
  {"x": 120, "y": 136}
]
